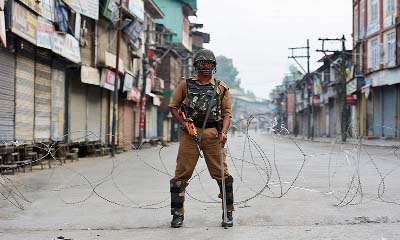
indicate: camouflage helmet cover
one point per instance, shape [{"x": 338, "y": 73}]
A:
[{"x": 204, "y": 55}]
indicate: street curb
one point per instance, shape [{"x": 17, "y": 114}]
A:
[{"x": 363, "y": 143}]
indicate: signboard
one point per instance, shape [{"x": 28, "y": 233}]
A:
[
  {"x": 3, "y": 39},
  {"x": 45, "y": 31},
  {"x": 48, "y": 9},
  {"x": 316, "y": 101},
  {"x": 133, "y": 30},
  {"x": 128, "y": 82},
  {"x": 351, "y": 86},
  {"x": 136, "y": 7},
  {"x": 67, "y": 46},
  {"x": 24, "y": 22},
  {"x": 107, "y": 79},
  {"x": 351, "y": 100},
  {"x": 134, "y": 95},
  {"x": 142, "y": 113},
  {"x": 110, "y": 10},
  {"x": 74, "y": 4},
  {"x": 90, "y": 75},
  {"x": 89, "y": 8},
  {"x": 35, "y": 5},
  {"x": 111, "y": 61}
]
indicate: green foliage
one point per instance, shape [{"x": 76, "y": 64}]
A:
[
  {"x": 250, "y": 94},
  {"x": 227, "y": 72}
]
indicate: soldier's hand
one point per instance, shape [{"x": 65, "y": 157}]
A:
[
  {"x": 185, "y": 124},
  {"x": 222, "y": 139}
]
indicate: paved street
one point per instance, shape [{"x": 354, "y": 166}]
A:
[{"x": 104, "y": 198}]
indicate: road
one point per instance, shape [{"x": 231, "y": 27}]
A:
[{"x": 286, "y": 189}]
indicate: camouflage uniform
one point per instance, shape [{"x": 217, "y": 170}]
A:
[{"x": 197, "y": 103}]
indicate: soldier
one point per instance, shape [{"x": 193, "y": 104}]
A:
[{"x": 206, "y": 101}]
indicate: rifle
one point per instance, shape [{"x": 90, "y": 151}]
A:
[{"x": 192, "y": 131}]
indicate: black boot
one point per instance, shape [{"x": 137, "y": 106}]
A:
[
  {"x": 177, "y": 221},
  {"x": 177, "y": 189},
  {"x": 229, "y": 220}
]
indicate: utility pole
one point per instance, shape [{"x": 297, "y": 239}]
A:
[
  {"x": 310, "y": 115},
  {"x": 341, "y": 86},
  {"x": 116, "y": 82},
  {"x": 143, "y": 99}
]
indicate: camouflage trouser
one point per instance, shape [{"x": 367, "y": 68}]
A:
[
  {"x": 229, "y": 193},
  {"x": 177, "y": 189}
]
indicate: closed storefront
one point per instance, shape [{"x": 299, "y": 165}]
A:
[
  {"x": 322, "y": 122},
  {"x": 42, "y": 96},
  {"x": 167, "y": 129},
  {"x": 24, "y": 92},
  {"x": 126, "y": 123},
  {"x": 57, "y": 101},
  {"x": 105, "y": 96},
  {"x": 384, "y": 104},
  {"x": 77, "y": 107},
  {"x": 151, "y": 121},
  {"x": 317, "y": 120},
  {"x": 110, "y": 117},
  {"x": 389, "y": 108},
  {"x": 7, "y": 91},
  {"x": 377, "y": 112},
  {"x": 93, "y": 112},
  {"x": 332, "y": 118}
]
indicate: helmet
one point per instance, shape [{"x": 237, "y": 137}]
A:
[{"x": 205, "y": 57}]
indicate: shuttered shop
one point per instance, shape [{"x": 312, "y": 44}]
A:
[
  {"x": 77, "y": 108},
  {"x": 24, "y": 92},
  {"x": 7, "y": 91},
  {"x": 94, "y": 112},
  {"x": 57, "y": 101},
  {"x": 104, "y": 115},
  {"x": 42, "y": 96},
  {"x": 126, "y": 124}
]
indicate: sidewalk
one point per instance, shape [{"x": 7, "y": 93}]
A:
[{"x": 376, "y": 142}]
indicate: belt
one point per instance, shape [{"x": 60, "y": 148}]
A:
[{"x": 199, "y": 124}]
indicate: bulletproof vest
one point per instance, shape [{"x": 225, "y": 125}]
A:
[{"x": 200, "y": 96}]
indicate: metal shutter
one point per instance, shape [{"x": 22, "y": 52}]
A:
[
  {"x": 7, "y": 93},
  {"x": 94, "y": 113},
  {"x": 57, "y": 101},
  {"x": 104, "y": 115},
  {"x": 128, "y": 124},
  {"x": 377, "y": 112},
  {"x": 389, "y": 114},
  {"x": 24, "y": 92},
  {"x": 42, "y": 96},
  {"x": 77, "y": 108}
]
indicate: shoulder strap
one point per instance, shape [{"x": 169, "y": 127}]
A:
[
  {"x": 187, "y": 92},
  {"x": 209, "y": 109}
]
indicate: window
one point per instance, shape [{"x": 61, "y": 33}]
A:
[
  {"x": 389, "y": 7},
  {"x": 391, "y": 49},
  {"x": 374, "y": 54},
  {"x": 374, "y": 11},
  {"x": 389, "y": 12},
  {"x": 355, "y": 24},
  {"x": 373, "y": 16},
  {"x": 362, "y": 17}
]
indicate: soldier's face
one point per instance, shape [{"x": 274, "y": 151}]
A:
[{"x": 205, "y": 68}]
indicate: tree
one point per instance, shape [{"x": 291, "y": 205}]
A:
[
  {"x": 227, "y": 72},
  {"x": 250, "y": 94}
]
